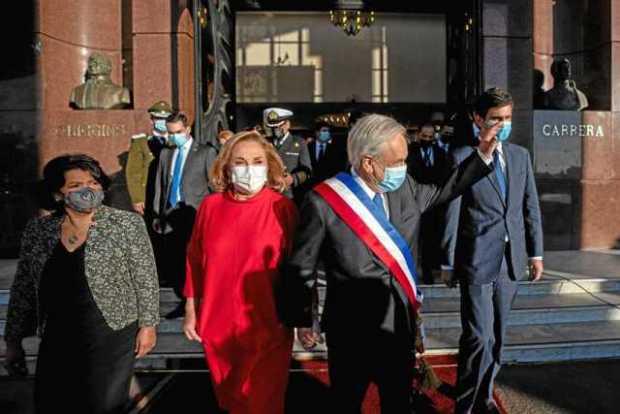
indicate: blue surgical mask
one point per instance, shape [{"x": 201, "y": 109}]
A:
[
  {"x": 393, "y": 178},
  {"x": 324, "y": 136},
  {"x": 178, "y": 139},
  {"x": 160, "y": 125},
  {"x": 504, "y": 131}
]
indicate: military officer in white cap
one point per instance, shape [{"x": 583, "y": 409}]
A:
[{"x": 293, "y": 150}]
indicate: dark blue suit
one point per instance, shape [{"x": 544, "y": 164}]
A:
[{"x": 488, "y": 241}]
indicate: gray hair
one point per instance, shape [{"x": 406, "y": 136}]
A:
[{"x": 369, "y": 134}]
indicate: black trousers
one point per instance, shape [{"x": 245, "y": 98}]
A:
[
  {"x": 361, "y": 356},
  {"x": 386, "y": 361},
  {"x": 485, "y": 309},
  {"x": 78, "y": 376},
  {"x": 174, "y": 247},
  {"x": 430, "y": 243}
]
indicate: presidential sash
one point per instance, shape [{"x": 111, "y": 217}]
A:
[{"x": 351, "y": 203}]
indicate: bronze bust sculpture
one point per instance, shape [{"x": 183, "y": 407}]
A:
[
  {"x": 564, "y": 95},
  {"x": 98, "y": 91}
]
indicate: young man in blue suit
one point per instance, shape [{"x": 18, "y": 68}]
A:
[{"x": 494, "y": 230}]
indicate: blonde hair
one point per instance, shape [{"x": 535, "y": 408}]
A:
[
  {"x": 225, "y": 134},
  {"x": 219, "y": 175}
]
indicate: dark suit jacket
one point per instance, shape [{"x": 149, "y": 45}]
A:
[
  {"x": 195, "y": 181},
  {"x": 334, "y": 160},
  {"x": 296, "y": 159},
  {"x": 361, "y": 293},
  {"x": 479, "y": 221},
  {"x": 418, "y": 169}
]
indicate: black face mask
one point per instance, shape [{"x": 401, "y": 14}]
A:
[
  {"x": 445, "y": 138},
  {"x": 425, "y": 143}
]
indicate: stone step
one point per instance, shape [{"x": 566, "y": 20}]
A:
[
  {"x": 443, "y": 312},
  {"x": 549, "y": 285},
  {"x": 531, "y": 343},
  {"x": 529, "y": 310},
  {"x": 552, "y": 283},
  {"x": 543, "y": 343},
  {"x": 539, "y": 309}
]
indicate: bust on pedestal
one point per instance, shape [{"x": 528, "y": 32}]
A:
[
  {"x": 564, "y": 95},
  {"x": 98, "y": 91}
]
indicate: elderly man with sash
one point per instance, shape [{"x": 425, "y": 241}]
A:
[{"x": 364, "y": 226}]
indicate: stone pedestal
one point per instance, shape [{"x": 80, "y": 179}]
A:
[
  {"x": 104, "y": 135},
  {"x": 575, "y": 163}
]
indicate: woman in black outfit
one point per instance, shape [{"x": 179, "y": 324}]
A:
[{"x": 86, "y": 283}]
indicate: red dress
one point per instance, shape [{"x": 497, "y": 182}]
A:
[{"x": 232, "y": 264}]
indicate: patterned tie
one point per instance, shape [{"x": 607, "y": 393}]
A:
[
  {"x": 378, "y": 201},
  {"x": 175, "y": 188},
  {"x": 499, "y": 173}
]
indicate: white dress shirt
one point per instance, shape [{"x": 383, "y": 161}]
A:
[{"x": 370, "y": 192}]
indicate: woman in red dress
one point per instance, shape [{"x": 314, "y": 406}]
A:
[{"x": 241, "y": 236}]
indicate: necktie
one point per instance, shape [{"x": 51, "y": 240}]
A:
[
  {"x": 321, "y": 151},
  {"x": 429, "y": 156},
  {"x": 378, "y": 201},
  {"x": 499, "y": 173},
  {"x": 175, "y": 188}
]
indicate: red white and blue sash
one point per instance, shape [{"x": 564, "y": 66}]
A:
[{"x": 353, "y": 205}]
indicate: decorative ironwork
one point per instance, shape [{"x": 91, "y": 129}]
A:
[{"x": 217, "y": 114}]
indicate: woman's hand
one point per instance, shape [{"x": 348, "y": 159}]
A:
[
  {"x": 189, "y": 323},
  {"x": 145, "y": 341}
]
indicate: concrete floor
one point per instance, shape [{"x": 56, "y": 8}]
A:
[{"x": 561, "y": 388}]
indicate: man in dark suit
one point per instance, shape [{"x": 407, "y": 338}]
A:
[
  {"x": 182, "y": 181},
  {"x": 368, "y": 318},
  {"x": 429, "y": 164},
  {"x": 293, "y": 150},
  {"x": 327, "y": 155},
  {"x": 494, "y": 228}
]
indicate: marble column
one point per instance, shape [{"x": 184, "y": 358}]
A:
[
  {"x": 507, "y": 60},
  {"x": 163, "y": 55},
  {"x": 600, "y": 225}
]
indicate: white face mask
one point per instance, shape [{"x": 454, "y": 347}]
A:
[{"x": 249, "y": 179}]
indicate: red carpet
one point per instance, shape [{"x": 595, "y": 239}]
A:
[{"x": 308, "y": 389}]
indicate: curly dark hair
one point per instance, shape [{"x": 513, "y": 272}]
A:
[{"x": 54, "y": 173}]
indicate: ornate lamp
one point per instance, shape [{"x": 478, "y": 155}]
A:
[{"x": 351, "y": 17}]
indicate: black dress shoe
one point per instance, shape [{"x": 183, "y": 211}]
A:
[{"x": 177, "y": 312}]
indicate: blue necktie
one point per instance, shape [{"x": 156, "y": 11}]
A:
[
  {"x": 429, "y": 156},
  {"x": 499, "y": 173},
  {"x": 175, "y": 188},
  {"x": 378, "y": 201}
]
